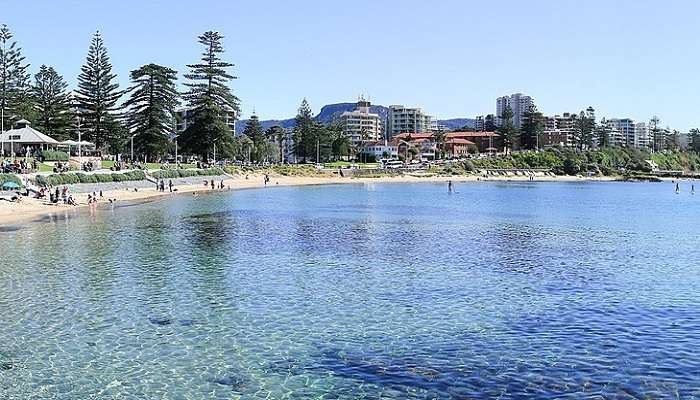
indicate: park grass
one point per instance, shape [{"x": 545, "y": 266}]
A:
[{"x": 44, "y": 167}]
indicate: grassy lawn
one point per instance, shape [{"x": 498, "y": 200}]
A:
[
  {"x": 44, "y": 167},
  {"x": 107, "y": 164}
]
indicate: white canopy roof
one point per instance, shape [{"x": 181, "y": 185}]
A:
[{"x": 26, "y": 135}]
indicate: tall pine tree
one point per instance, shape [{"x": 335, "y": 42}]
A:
[
  {"x": 151, "y": 109},
  {"x": 254, "y": 131},
  {"x": 602, "y": 133},
  {"x": 52, "y": 103},
  {"x": 303, "y": 132},
  {"x": 211, "y": 99},
  {"x": 13, "y": 81},
  {"x": 532, "y": 129},
  {"x": 507, "y": 130},
  {"x": 97, "y": 94}
]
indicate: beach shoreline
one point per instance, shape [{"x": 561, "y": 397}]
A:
[{"x": 33, "y": 210}]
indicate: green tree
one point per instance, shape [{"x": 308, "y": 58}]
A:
[
  {"x": 439, "y": 136},
  {"x": 243, "y": 146},
  {"x": 54, "y": 115},
  {"x": 303, "y": 134},
  {"x": 278, "y": 135},
  {"x": 151, "y": 109},
  {"x": 97, "y": 93},
  {"x": 211, "y": 99},
  {"x": 13, "y": 80},
  {"x": 602, "y": 133},
  {"x": 694, "y": 140},
  {"x": 254, "y": 131},
  {"x": 118, "y": 140},
  {"x": 507, "y": 130},
  {"x": 657, "y": 134},
  {"x": 532, "y": 129},
  {"x": 673, "y": 140},
  {"x": 341, "y": 145},
  {"x": 584, "y": 125}
]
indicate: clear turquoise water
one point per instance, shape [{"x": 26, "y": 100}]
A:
[{"x": 517, "y": 290}]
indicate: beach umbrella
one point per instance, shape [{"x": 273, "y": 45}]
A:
[{"x": 10, "y": 186}]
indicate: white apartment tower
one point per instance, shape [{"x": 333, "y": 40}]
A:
[
  {"x": 519, "y": 104},
  {"x": 360, "y": 124},
  {"x": 408, "y": 120},
  {"x": 623, "y": 132}
]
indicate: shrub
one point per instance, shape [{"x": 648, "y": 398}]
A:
[
  {"x": 73, "y": 178},
  {"x": 85, "y": 178},
  {"x": 185, "y": 173},
  {"x": 103, "y": 177},
  {"x": 135, "y": 175},
  {"x": 48, "y": 155}
]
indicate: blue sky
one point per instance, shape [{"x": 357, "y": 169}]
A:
[{"x": 453, "y": 58}]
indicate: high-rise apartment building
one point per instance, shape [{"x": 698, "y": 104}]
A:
[
  {"x": 360, "y": 124},
  {"x": 408, "y": 120},
  {"x": 622, "y": 132},
  {"x": 518, "y": 103}
]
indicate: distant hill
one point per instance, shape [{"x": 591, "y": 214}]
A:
[
  {"x": 331, "y": 111},
  {"x": 457, "y": 123}
]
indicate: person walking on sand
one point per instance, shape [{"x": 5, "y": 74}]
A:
[
  {"x": 221, "y": 185},
  {"x": 170, "y": 185},
  {"x": 212, "y": 184}
]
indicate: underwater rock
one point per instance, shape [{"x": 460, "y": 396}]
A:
[
  {"x": 160, "y": 321},
  {"x": 234, "y": 382}
]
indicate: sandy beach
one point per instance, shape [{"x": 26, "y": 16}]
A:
[{"x": 32, "y": 209}]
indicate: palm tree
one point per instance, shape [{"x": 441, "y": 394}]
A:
[{"x": 439, "y": 137}]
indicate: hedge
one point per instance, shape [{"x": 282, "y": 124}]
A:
[
  {"x": 47, "y": 155},
  {"x": 73, "y": 178},
  {"x": 186, "y": 173},
  {"x": 10, "y": 178}
]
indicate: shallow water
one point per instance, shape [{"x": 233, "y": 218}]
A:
[{"x": 392, "y": 291}]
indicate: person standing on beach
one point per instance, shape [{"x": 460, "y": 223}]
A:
[
  {"x": 212, "y": 184},
  {"x": 449, "y": 186},
  {"x": 170, "y": 185}
]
